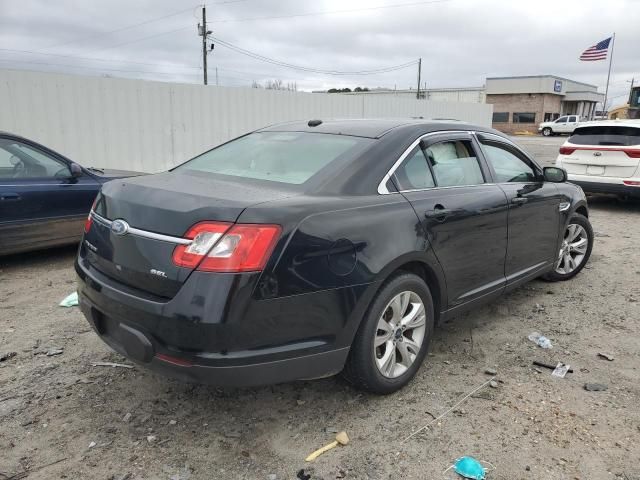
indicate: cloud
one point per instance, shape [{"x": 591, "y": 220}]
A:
[{"x": 461, "y": 42}]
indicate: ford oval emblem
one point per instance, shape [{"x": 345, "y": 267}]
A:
[{"x": 119, "y": 227}]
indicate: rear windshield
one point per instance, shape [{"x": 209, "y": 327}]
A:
[
  {"x": 606, "y": 135},
  {"x": 287, "y": 157}
]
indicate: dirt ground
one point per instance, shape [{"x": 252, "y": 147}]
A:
[{"x": 115, "y": 423}]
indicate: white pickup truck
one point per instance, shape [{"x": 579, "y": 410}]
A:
[{"x": 564, "y": 124}]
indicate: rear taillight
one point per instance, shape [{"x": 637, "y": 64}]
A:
[
  {"x": 631, "y": 183},
  {"x": 87, "y": 223},
  {"x": 221, "y": 247},
  {"x": 633, "y": 153},
  {"x": 567, "y": 150}
]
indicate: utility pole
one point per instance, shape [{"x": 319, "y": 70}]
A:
[
  {"x": 419, "y": 73},
  {"x": 203, "y": 32},
  {"x": 631, "y": 89}
]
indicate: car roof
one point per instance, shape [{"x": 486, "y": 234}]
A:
[
  {"x": 611, "y": 123},
  {"x": 370, "y": 127}
]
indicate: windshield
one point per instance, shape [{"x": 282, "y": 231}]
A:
[
  {"x": 288, "y": 157},
  {"x": 606, "y": 135}
]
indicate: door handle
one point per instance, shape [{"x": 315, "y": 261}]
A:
[
  {"x": 9, "y": 197},
  {"x": 519, "y": 200},
  {"x": 439, "y": 212}
]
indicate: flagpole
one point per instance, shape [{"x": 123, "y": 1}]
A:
[{"x": 606, "y": 91}]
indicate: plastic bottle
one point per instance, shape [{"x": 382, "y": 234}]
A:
[{"x": 541, "y": 340}]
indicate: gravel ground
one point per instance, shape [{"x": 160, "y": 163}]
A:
[{"x": 100, "y": 422}]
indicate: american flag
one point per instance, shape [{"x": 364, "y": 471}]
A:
[{"x": 597, "y": 51}]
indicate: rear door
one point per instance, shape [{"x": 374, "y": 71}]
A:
[
  {"x": 464, "y": 218},
  {"x": 572, "y": 123},
  {"x": 40, "y": 202},
  {"x": 534, "y": 208},
  {"x": 603, "y": 151}
]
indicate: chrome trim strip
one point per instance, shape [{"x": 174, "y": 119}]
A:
[
  {"x": 382, "y": 186},
  {"x": 143, "y": 233}
]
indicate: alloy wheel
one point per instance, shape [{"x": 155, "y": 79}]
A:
[
  {"x": 400, "y": 333},
  {"x": 573, "y": 250}
]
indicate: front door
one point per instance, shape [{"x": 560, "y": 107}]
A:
[
  {"x": 534, "y": 209},
  {"x": 463, "y": 218},
  {"x": 40, "y": 202}
]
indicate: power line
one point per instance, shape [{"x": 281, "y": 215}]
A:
[
  {"x": 97, "y": 59},
  {"x": 309, "y": 69},
  {"x": 121, "y": 29},
  {"x": 331, "y": 12}
]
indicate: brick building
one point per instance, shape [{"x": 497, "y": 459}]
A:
[{"x": 521, "y": 103}]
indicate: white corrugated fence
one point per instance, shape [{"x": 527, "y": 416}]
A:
[{"x": 151, "y": 126}]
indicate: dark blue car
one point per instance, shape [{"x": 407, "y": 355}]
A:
[{"x": 44, "y": 197}]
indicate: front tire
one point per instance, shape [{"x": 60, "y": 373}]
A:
[
  {"x": 394, "y": 336},
  {"x": 547, "y": 132},
  {"x": 575, "y": 249}
]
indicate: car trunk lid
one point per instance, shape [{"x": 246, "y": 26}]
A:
[{"x": 138, "y": 223}]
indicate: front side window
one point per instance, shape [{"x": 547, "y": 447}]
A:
[
  {"x": 287, "y": 157},
  {"x": 414, "y": 173},
  {"x": 18, "y": 160},
  {"x": 562, "y": 120},
  {"x": 524, "y": 117},
  {"x": 507, "y": 166},
  {"x": 454, "y": 163}
]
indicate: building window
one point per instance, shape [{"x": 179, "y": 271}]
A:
[
  {"x": 548, "y": 116},
  {"x": 500, "y": 117},
  {"x": 526, "y": 117}
]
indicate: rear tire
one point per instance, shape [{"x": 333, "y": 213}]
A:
[
  {"x": 575, "y": 249},
  {"x": 547, "y": 132},
  {"x": 394, "y": 336}
]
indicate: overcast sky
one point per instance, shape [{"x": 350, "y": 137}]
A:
[{"x": 461, "y": 42}]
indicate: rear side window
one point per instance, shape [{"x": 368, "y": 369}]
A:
[
  {"x": 606, "y": 135},
  {"x": 287, "y": 157},
  {"x": 454, "y": 163},
  {"x": 414, "y": 173}
]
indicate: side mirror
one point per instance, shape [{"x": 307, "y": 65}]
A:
[
  {"x": 76, "y": 170},
  {"x": 554, "y": 174}
]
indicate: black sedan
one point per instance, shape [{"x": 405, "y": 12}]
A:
[
  {"x": 44, "y": 197},
  {"x": 306, "y": 249}
]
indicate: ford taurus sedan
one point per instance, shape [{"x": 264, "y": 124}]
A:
[
  {"x": 44, "y": 196},
  {"x": 305, "y": 249}
]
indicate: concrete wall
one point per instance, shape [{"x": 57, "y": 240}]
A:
[{"x": 152, "y": 126}]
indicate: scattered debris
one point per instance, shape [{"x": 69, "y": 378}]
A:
[
  {"x": 172, "y": 422},
  {"x": 595, "y": 387},
  {"x": 272, "y": 476},
  {"x": 468, "y": 467},
  {"x": 70, "y": 300},
  {"x": 493, "y": 384},
  {"x": 606, "y": 356},
  {"x": 341, "y": 439},
  {"x": 7, "y": 355},
  {"x": 127, "y": 417},
  {"x": 301, "y": 475},
  {"x": 560, "y": 371},
  {"x": 151, "y": 438},
  {"x": 110, "y": 364},
  {"x": 549, "y": 366},
  {"x": 462, "y": 400},
  {"x": 540, "y": 340},
  {"x": 92, "y": 444},
  {"x": 331, "y": 430},
  {"x": 491, "y": 371},
  {"x": 538, "y": 308},
  {"x": 54, "y": 351}
]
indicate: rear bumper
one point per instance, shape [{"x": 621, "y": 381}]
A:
[
  {"x": 613, "y": 186},
  {"x": 286, "y": 342}
]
